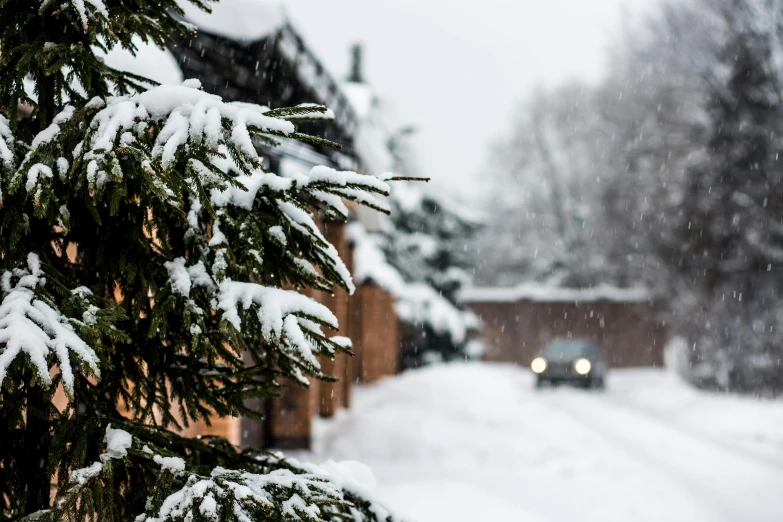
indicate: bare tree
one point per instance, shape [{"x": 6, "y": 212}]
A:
[{"x": 551, "y": 168}]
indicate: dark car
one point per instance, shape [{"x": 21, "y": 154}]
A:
[{"x": 570, "y": 360}]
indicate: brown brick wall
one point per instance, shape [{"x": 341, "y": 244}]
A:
[
  {"x": 627, "y": 332},
  {"x": 227, "y": 427},
  {"x": 377, "y": 333},
  {"x": 289, "y": 421}
]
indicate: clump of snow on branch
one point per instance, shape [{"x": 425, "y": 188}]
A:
[
  {"x": 283, "y": 493},
  {"x": 354, "y": 478},
  {"x": 417, "y": 303},
  {"x": 82, "y": 475},
  {"x": 7, "y": 144},
  {"x": 172, "y": 464},
  {"x": 31, "y": 326},
  {"x": 326, "y": 187},
  {"x": 273, "y": 304},
  {"x": 186, "y": 116},
  {"x": 185, "y": 112},
  {"x": 304, "y": 223},
  {"x": 85, "y": 9},
  {"x": 326, "y": 184},
  {"x": 285, "y": 317},
  {"x": 117, "y": 444},
  {"x": 182, "y": 278}
]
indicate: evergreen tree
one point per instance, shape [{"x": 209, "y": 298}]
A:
[
  {"x": 143, "y": 250},
  {"x": 427, "y": 241},
  {"x": 727, "y": 236},
  {"x": 698, "y": 197},
  {"x": 546, "y": 199}
]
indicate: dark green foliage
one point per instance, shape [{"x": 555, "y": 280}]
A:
[
  {"x": 725, "y": 247},
  {"x": 429, "y": 241},
  {"x": 165, "y": 254}
]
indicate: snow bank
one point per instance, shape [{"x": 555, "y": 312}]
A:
[
  {"x": 462, "y": 442},
  {"x": 419, "y": 499},
  {"x": 244, "y": 20},
  {"x": 543, "y": 293}
]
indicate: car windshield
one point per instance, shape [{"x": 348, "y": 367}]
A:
[{"x": 566, "y": 350}]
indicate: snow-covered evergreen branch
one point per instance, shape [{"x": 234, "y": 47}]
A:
[
  {"x": 33, "y": 326},
  {"x": 245, "y": 496}
]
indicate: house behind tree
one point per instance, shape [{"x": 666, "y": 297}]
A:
[{"x": 268, "y": 63}]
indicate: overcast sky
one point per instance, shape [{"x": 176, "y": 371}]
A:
[{"x": 458, "y": 69}]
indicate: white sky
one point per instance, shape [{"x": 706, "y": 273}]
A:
[{"x": 458, "y": 69}]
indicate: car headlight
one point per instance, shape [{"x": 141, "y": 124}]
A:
[
  {"x": 582, "y": 366},
  {"x": 538, "y": 365}
]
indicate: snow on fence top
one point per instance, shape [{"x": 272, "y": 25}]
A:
[
  {"x": 242, "y": 20},
  {"x": 542, "y": 293}
]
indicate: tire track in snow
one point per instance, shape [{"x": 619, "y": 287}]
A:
[
  {"x": 704, "y": 496},
  {"x": 689, "y": 469},
  {"x": 700, "y": 436}
]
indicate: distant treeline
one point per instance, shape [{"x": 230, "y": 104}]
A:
[{"x": 668, "y": 173}]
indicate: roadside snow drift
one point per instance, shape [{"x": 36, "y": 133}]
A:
[{"x": 468, "y": 442}]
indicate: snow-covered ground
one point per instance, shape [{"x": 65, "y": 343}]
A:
[{"x": 475, "y": 442}]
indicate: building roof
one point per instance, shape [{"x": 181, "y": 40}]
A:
[
  {"x": 241, "y": 20},
  {"x": 150, "y": 61},
  {"x": 543, "y": 293},
  {"x": 371, "y": 135},
  {"x": 248, "y": 50}
]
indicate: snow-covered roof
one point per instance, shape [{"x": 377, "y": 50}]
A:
[
  {"x": 243, "y": 20},
  {"x": 361, "y": 96},
  {"x": 543, "y": 293},
  {"x": 371, "y": 136},
  {"x": 150, "y": 61}
]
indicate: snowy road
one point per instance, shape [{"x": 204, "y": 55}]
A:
[{"x": 471, "y": 442}]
